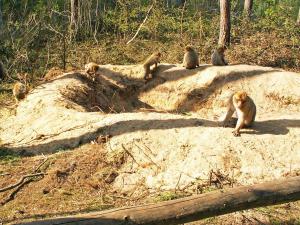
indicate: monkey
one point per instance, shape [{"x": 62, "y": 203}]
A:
[
  {"x": 190, "y": 58},
  {"x": 245, "y": 108},
  {"x": 2, "y": 72},
  {"x": 154, "y": 59},
  {"x": 20, "y": 89},
  {"x": 218, "y": 57},
  {"x": 53, "y": 73},
  {"x": 91, "y": 69}
]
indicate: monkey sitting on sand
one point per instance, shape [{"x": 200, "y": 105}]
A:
[
  {"x": 218, "y": 57},
  {"x": 154, "y": 59},
  {"x": 190, "y": 58},
  {"x": 20, "y": 89},
  {"x": 245, "y": 108},
  {"x": 91, "y": 69}
]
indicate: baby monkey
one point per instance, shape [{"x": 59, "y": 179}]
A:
[
  {"x": 190, "y": 58},
  {"x": 245, "y": 108},
  {"x": 154, "y": 59},
  {"x": 20, "y": 89},
  {"x": 91, "y": 69},
  {"x": 218, "y": 57}
]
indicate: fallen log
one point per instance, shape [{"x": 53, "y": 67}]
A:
[{"x": 191, "y": 208}]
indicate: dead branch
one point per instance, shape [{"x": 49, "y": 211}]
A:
[
  {"x": 21, "y": 181},
  {"x": 138, "y": 30},
  {"x": 13, "y": 194},
  {"x": 192, "y": 208},
  {"x": 129, "y": 153},
  {"x": 41, "y": 164}
]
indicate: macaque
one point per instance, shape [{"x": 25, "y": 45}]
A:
[
  {"x": 20, "y": 89},
  {"x": 245, "y": 108},
  {"x": 91, "y": 69},
  {"x": 154, "y": 59},
  {"x": 53, "y": 73},
  {"x": 218, "y": 57},
  {"x": 190, "y": 59}
]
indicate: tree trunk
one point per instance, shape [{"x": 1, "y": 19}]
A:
[
  {"x": 1, "y": 20},
  {"x": 298, "y": 20},
  {"x": 74, "y": 14},
  {"x": 180, "y": 3},
  {"x": 192, "y": 208},
  {"x": 248, "y": 8},
  {"x": 224, "y": 37}
]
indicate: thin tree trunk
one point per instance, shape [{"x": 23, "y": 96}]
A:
[
  {"x": 298, "y": 20},
  {"x": 248, "y": 8},
  {"x": 224, "y": 37},
  {"x": 74, "y": 14},
  {"x": 1, "y": 19}
]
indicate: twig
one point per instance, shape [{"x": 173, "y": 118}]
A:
[
  {"x": 146, "y": 155},
  {"x": 21, "y": 181},
  {"x": 178, "y": 182},
  {"x": 41, "y": 164},
  {"x": 4, "y": 174},
  {"x": 138, "y": 30},
  {"x": 130, "y": 155}
]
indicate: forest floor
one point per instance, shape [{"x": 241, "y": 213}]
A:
[{"x": 120, "y": 141}]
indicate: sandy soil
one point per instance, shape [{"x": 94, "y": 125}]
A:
[{"x": 168, "y": 126}]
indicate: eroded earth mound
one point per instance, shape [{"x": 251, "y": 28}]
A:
[{"x": 168, "y": 125}]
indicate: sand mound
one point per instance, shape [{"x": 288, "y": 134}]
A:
[{"x": 168, "y": 125}]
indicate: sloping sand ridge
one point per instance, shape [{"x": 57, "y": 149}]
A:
[{"x": 169, "y": 125}]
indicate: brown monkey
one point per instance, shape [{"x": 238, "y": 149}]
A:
[
  {"x": 218, "y": 57},
  {"x": 154, "y": 59},
  {"x": 190, "y": 58},
  {"x": 20, "y": 89},
  {"x": 2, "y": 72},
  {"x": 91, "y": 69},
  {"x": 245, "y": 108},
  {"x": 53, "y": 73}
]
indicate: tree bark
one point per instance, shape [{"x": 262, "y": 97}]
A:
[
  {"x": 248, "y": 4},
  {"x": 298, "y": 19},
  {"x": 191, "y": 208},
  {"x": 1, "y": 19},
  {"x": 74, "y": 14},
  {"x": 224, "y": 37}
]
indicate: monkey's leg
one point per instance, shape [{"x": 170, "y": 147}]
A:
[{"x": 228, "y": 115}]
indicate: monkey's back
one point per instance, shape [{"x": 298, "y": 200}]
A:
[
  {"x": 217, "y": 59},
  {"x": 250, "y": 109},
  {"x": 152, "y": 59},
  {"x": 190, "y": 60},
  {"x": 19, "y": 90}
]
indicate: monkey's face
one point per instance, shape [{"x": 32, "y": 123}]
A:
[
  {"x": 188, "y": 48},
  {"x": 239, "y": 98},
  {"x": 91, "y": 68}
]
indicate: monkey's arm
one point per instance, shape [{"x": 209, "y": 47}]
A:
[{"x": 239, "y": 125}]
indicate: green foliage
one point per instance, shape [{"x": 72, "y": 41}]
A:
[{"x": 37, "y": 36}]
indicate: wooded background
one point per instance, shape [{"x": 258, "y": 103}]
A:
[{"x": 39, "y": 34}]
